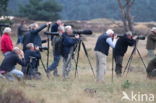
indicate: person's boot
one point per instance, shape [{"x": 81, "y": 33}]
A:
[{"x": 55, "y": 73}]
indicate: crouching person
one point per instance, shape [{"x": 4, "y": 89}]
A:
[
  {"x": 151, "y": 68},
  {"x": 32, "y": 57},
  {"x": 9, "y": 62}
]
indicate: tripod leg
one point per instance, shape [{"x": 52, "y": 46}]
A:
[
  {"x": 77, "y": 59},
  {"x": 48, "y": 52},
  {"x": 141, "y": 59},
  {"x": 43, "y": 66},
  {"x": 86, "y": 53},
  {"x": 112, "y": 66},
  {"x": 127, "y": 65},
  {"x": 128, "y": 69}
]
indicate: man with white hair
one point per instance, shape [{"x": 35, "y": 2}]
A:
[
  {"x": 9, "y": 63},
  {"x": 121, "y": 48},
  {"x": 101, "y": 51},
  {"x": 151, "y": 42},
  {"x": 68, "y": 46},
  {"x": 6, "y": 42}
]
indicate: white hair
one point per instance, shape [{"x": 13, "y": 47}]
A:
[
  {"x": 68, "y": 28},
  {"x": 129, "y": 33},
  {"x": 16, "y": 49},
  {"x": 61, "y": 28},
  {"x": 109, "y": 31},
  {"x": 153, "y": 29},
  {"x": 7, "y": 30},
  {"x": 29, "y": 45}
]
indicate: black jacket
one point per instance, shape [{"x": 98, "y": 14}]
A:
[
  {"x": 101, "y": 44},
  {"x": 21, "y": 30},
  {"x": 122, "y": 45},
  {"x": 54, "y": 28},
  {"x": 10, "y": 62},
  {"x": 57, "y": 45}
]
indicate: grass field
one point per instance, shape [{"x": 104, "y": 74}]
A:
[{"x": 55, "y": 90}]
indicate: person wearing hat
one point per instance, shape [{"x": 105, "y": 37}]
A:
[
  {"x": 6, "y": 43},
  {"x": 151, "y": 42},
  {"x": 103, "y": 43},
  {"x": 121, "y": 48}
]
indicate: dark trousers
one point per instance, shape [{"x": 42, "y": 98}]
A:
[
  {"x": 118, "y": 62},
  {"x": 55, "y": 63},
  {"x": 20, "y": 39}
]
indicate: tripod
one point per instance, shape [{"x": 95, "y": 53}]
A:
[
  {"x": 30, "y": 65},
  {"x": 135, "y": 49},
  {"x": 77, "y": 48}
]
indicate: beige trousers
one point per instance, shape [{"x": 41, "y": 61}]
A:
[{"x": 100, "y": 66}]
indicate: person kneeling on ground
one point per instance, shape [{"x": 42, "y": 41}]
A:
[
  {"x": 9, "y": 63},
  {"x": 151, "y": 68},
  {"x": 32, "y": 56}
]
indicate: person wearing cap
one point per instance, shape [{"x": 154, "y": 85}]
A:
[
  {"x": 6, "y": 43},
  {"x": 121, "y": 48},
  {"x": 151, "y": 42},
  {"x": 101, "y": 51},
  {"x": 9, "y": 62}
]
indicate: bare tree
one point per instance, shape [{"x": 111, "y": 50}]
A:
[{"x": 125, "y": 8}]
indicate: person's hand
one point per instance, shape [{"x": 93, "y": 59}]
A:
[
  {"x": 37, "y": 48},
  {"x": 48, "y": 23},
  {"x": 134, "y": 37},
  {"x": 77, "y": 36},
  {"x": 115, "y": 36},
  {"x": 21, "y": 54}
]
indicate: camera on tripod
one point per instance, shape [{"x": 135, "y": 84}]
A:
[
  {"x": 140, "y": 38},
  {"x": 43, "y": 48},
  {"x": 84, "y": 32}
]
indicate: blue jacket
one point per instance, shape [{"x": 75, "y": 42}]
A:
[
  {"x": 67, "y": 44},
  {"x": 101, "y": 44}
]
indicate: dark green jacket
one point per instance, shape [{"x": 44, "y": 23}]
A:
[{"x": 151, "y": 42}]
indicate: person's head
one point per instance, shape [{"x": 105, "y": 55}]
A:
[
  {"x": 68, "y": 30},
  {"x": 30, "y": 46},
  {"x": 7, "y": 30},
  {"x": 153, "y": 29},
  {"x": 110, "y": 32},
  {"x": 61, "y": 29},
  {"x": 17, "y": 50},
  {"x": 129, "y": 34},
  {"x": 33, "y": 26},
  {"x": 59, "y": 22},
  {"x": 22, "y": 22}
]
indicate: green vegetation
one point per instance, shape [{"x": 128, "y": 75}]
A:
[
  {"x": 40, "y": 10},
  {"x": 143, "y": 10},
  {"x": 3, "y": 7}
]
